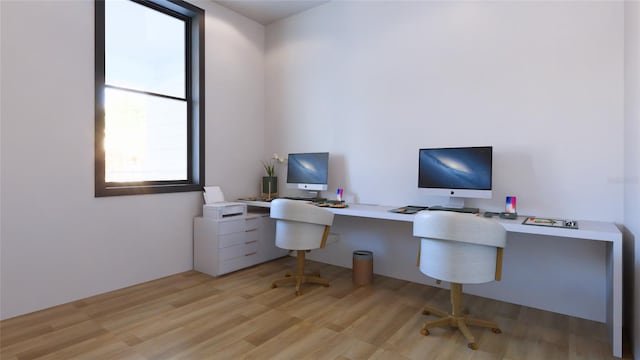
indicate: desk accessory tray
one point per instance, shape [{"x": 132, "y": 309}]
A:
[
  {"x": 501, "y": 215},
  {"x": 508, "y": 216},
  {"x": 557, "y": 223},
  {"x": 332, "y": 204},
  {"x": 257, "y": 198},
  {"x": 408, "y": 209}
]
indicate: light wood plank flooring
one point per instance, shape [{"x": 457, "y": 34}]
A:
[{"x": 238, "y": 316}]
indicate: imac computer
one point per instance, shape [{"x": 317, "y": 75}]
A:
[
  {"x": 308, "y": 171},
  {"x": 461, "y": 172}
]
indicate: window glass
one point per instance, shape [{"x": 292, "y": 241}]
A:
[
  {"x": 144, "y": 49},
  {"x": 149, "y": 75},
  {"x": 145, "y": 137}
]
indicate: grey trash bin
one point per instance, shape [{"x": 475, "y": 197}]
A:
[{"x": 362, "y": 267}]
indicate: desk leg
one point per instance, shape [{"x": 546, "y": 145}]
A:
[{"x": 614, "y": 295}]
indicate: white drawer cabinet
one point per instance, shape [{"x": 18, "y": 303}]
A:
[{"x": 223, "y": 246}]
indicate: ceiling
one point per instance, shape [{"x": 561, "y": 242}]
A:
[{"x": 267, "y": 11}]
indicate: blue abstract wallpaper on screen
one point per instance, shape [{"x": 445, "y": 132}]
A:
[
  {"x": 455, "y": 168},
  {"x": 308, "y": 168}
]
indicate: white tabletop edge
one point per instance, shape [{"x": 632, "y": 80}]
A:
[{"x": 590, "y": 230}]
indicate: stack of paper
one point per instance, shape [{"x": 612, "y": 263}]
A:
[{"x": 212, "y": 194}]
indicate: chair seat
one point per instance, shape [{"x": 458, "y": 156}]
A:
[
  {"x": 457, "y": 262},
  {"x": 293, "y": 235},
  {"x": 300, "y": 211},
  {"x": 453, "y": 226},
  {"x": 461, "y": 249}
]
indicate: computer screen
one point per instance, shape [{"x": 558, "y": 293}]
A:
[
  {"x": 308, "y": 171},
  {"x": 456, "y": 172}
]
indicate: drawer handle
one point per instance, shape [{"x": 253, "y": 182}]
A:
[
  {"x": 250, "y": 230},
  {"x": 251, "y": 242},
  {"x": 251, "y": 253}
]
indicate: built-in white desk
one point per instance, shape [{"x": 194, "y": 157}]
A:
[{"x": 588, "y": 231}]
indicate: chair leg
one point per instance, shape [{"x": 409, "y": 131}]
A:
[
  {"x": 467, "y": 334},
  {"x": 317, "y": 280},
  {"x": 283, "y": 281},
  {"x": 457, "y": 318},
  {"x": 444, "y": 321},
  {"x": 428, "y": 310},
  {"x": 456, "y": 299},
  {"x": 299, "y": 271},
  {"x": 483, "y": 323}
]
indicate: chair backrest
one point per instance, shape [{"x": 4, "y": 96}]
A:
[
  {"x": 459, "y": 248},
  {"x": 299, "y": 225}
]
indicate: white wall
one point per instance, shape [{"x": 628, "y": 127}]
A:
[
  {"x": 632, "y": 171},
  {"x": 58, "y": 242},
  {"x": 372, "y": 82},
  {"x": 235, "y": 101}
]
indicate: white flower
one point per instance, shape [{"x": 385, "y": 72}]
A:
[
  {"x": 277, "y": 158},
  {"x": 270, "y": 165}
]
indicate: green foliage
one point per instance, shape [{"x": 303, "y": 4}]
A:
[{"x": 270, "y": 167}]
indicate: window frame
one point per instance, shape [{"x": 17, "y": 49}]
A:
[{"x": 195, "y": 98}]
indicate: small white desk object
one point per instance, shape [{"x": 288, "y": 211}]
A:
[
  {"x": 224, "y": 210},
  {"x": 212, "y": 194},
  {"x": 588, "y": 230}
]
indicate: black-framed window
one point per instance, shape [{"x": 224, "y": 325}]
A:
[{"x": 149, "y": 90}]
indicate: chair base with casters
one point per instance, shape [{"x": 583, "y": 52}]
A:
[
  {"x": 456, "y": 319},
  {"x": 299, "y": 277}
]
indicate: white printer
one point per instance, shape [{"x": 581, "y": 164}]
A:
[
  {"x": 216, "y": 208},
  {"x": 224, "y": 210}
]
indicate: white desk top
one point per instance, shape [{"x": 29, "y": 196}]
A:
[{"x": 589, "y": 230}]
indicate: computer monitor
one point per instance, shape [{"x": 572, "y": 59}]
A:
[
  {"x": 308, "y": 171},
  {"x": 461, "y": 172}
]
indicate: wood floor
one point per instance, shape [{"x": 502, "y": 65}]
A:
[{"x": 238, "y": 316}]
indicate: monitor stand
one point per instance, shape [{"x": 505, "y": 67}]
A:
[
  {"x": 455, "y": 209},
  {"x": 455, "y": 204},
  {"x": 313, "y": 196}
]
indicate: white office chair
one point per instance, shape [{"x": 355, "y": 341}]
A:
[
  {"x": 461, "y": 249},
  {"x": 302, "y": 227}
]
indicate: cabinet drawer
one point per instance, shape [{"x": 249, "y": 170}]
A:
[
  {"x": 227, "y": 240},
  {"x": 252, "y": 234},
  {"x": 242, "y": 250},
  {"x": 252, "y": 224},
  {"x": 228, "y": 227},
  {"x": 238, "y": 263}
]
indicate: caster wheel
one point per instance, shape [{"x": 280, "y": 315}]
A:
[
  {"x": 287, "y": 275},
  {"x": 424, "y": 332},
  {"x": 298, "y": 293},
  {"x": 496, "y": 331},
  {"x": 473, "y": 346},
  {"x": 273, "y": 286},
  {"x": 426, "y": 312}
]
